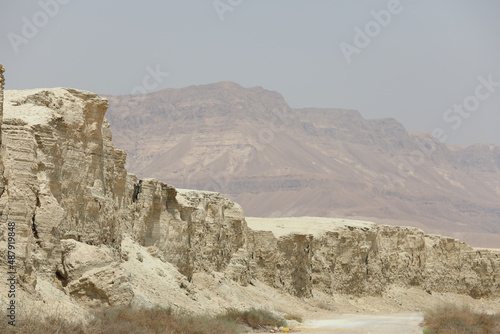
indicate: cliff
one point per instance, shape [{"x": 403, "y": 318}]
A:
[
  {"x": 90, "y": 234},
  {"x": 2, "y": 84}
]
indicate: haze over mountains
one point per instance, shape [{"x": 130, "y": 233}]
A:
[{"x": 278, "y": 162}]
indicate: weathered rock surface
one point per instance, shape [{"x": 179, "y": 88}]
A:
[
  {"x": 2, "y": 83},
  {"x": 67, "y": 182},
  {"x": 86, "y": 228},
  {"x": 361, "y": 258}
]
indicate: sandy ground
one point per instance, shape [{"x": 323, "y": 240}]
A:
[
  {"x": 407, "y": 323},
  {"x": 367, "y": 323},
  {"x": 399, "y": 311}
]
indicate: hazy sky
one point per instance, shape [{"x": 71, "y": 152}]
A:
[{"x": 408, "y": 60}]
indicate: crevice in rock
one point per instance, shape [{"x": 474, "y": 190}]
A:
[
  {"x": 33, "y": 227},
  {"x": 35, "y": 231},
  {"x": 171, "y": 204},
  {"x": 62, "y": 277},
  {"x": 3, "y": 182},
  {"x": 137, "y": 191}
]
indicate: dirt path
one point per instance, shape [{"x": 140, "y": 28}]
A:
[
  {"x": 365, "y": 323},
  {"x": 352, "y": 323}
]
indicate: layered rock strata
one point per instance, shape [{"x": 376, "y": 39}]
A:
[
  {"x": 2, "y": 84},
  {"x": 362, "y": 258},
  {"x": 79, "y": 217}
]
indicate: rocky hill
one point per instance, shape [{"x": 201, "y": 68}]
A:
[
  {"x": 87, "y": 234},
  {"x": 278, "y": 162}
]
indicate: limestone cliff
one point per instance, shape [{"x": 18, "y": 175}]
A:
[
  {"x": 83, "y": 224},
  {"x": 362, "y": 258},
  {"x": 2, "y": 83}
]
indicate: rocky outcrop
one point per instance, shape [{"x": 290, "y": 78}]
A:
[
  {"x": 83, "y": 224},
  {"x": 2, "y": 84},
  {"x": 67, "y": 182},
  {"x": 62, "y": 175},
  {"x": 365, "y": 259}
]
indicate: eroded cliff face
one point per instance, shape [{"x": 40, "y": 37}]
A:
[
  {"x": 2, "y": 83},
  {"x": 365, "y": 259},
  {"x": 67, "y": 182},
  {"x": 83, "y": 224}
]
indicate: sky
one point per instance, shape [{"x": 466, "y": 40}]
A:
[{"x": 432, "y": 65}]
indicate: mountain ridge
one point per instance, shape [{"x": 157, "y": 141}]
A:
[{"x": 250, "y": 145}]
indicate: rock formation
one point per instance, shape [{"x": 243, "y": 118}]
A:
[
  {"x": 84, "y": 226},
  {"x": 2, "y": 84},
  {"x": 362, "y": 258}
]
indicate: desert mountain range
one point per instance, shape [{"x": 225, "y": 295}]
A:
[{"x": 276, "y": 161}]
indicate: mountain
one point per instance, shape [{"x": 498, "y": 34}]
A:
[{"x": 277, "y": 161}]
